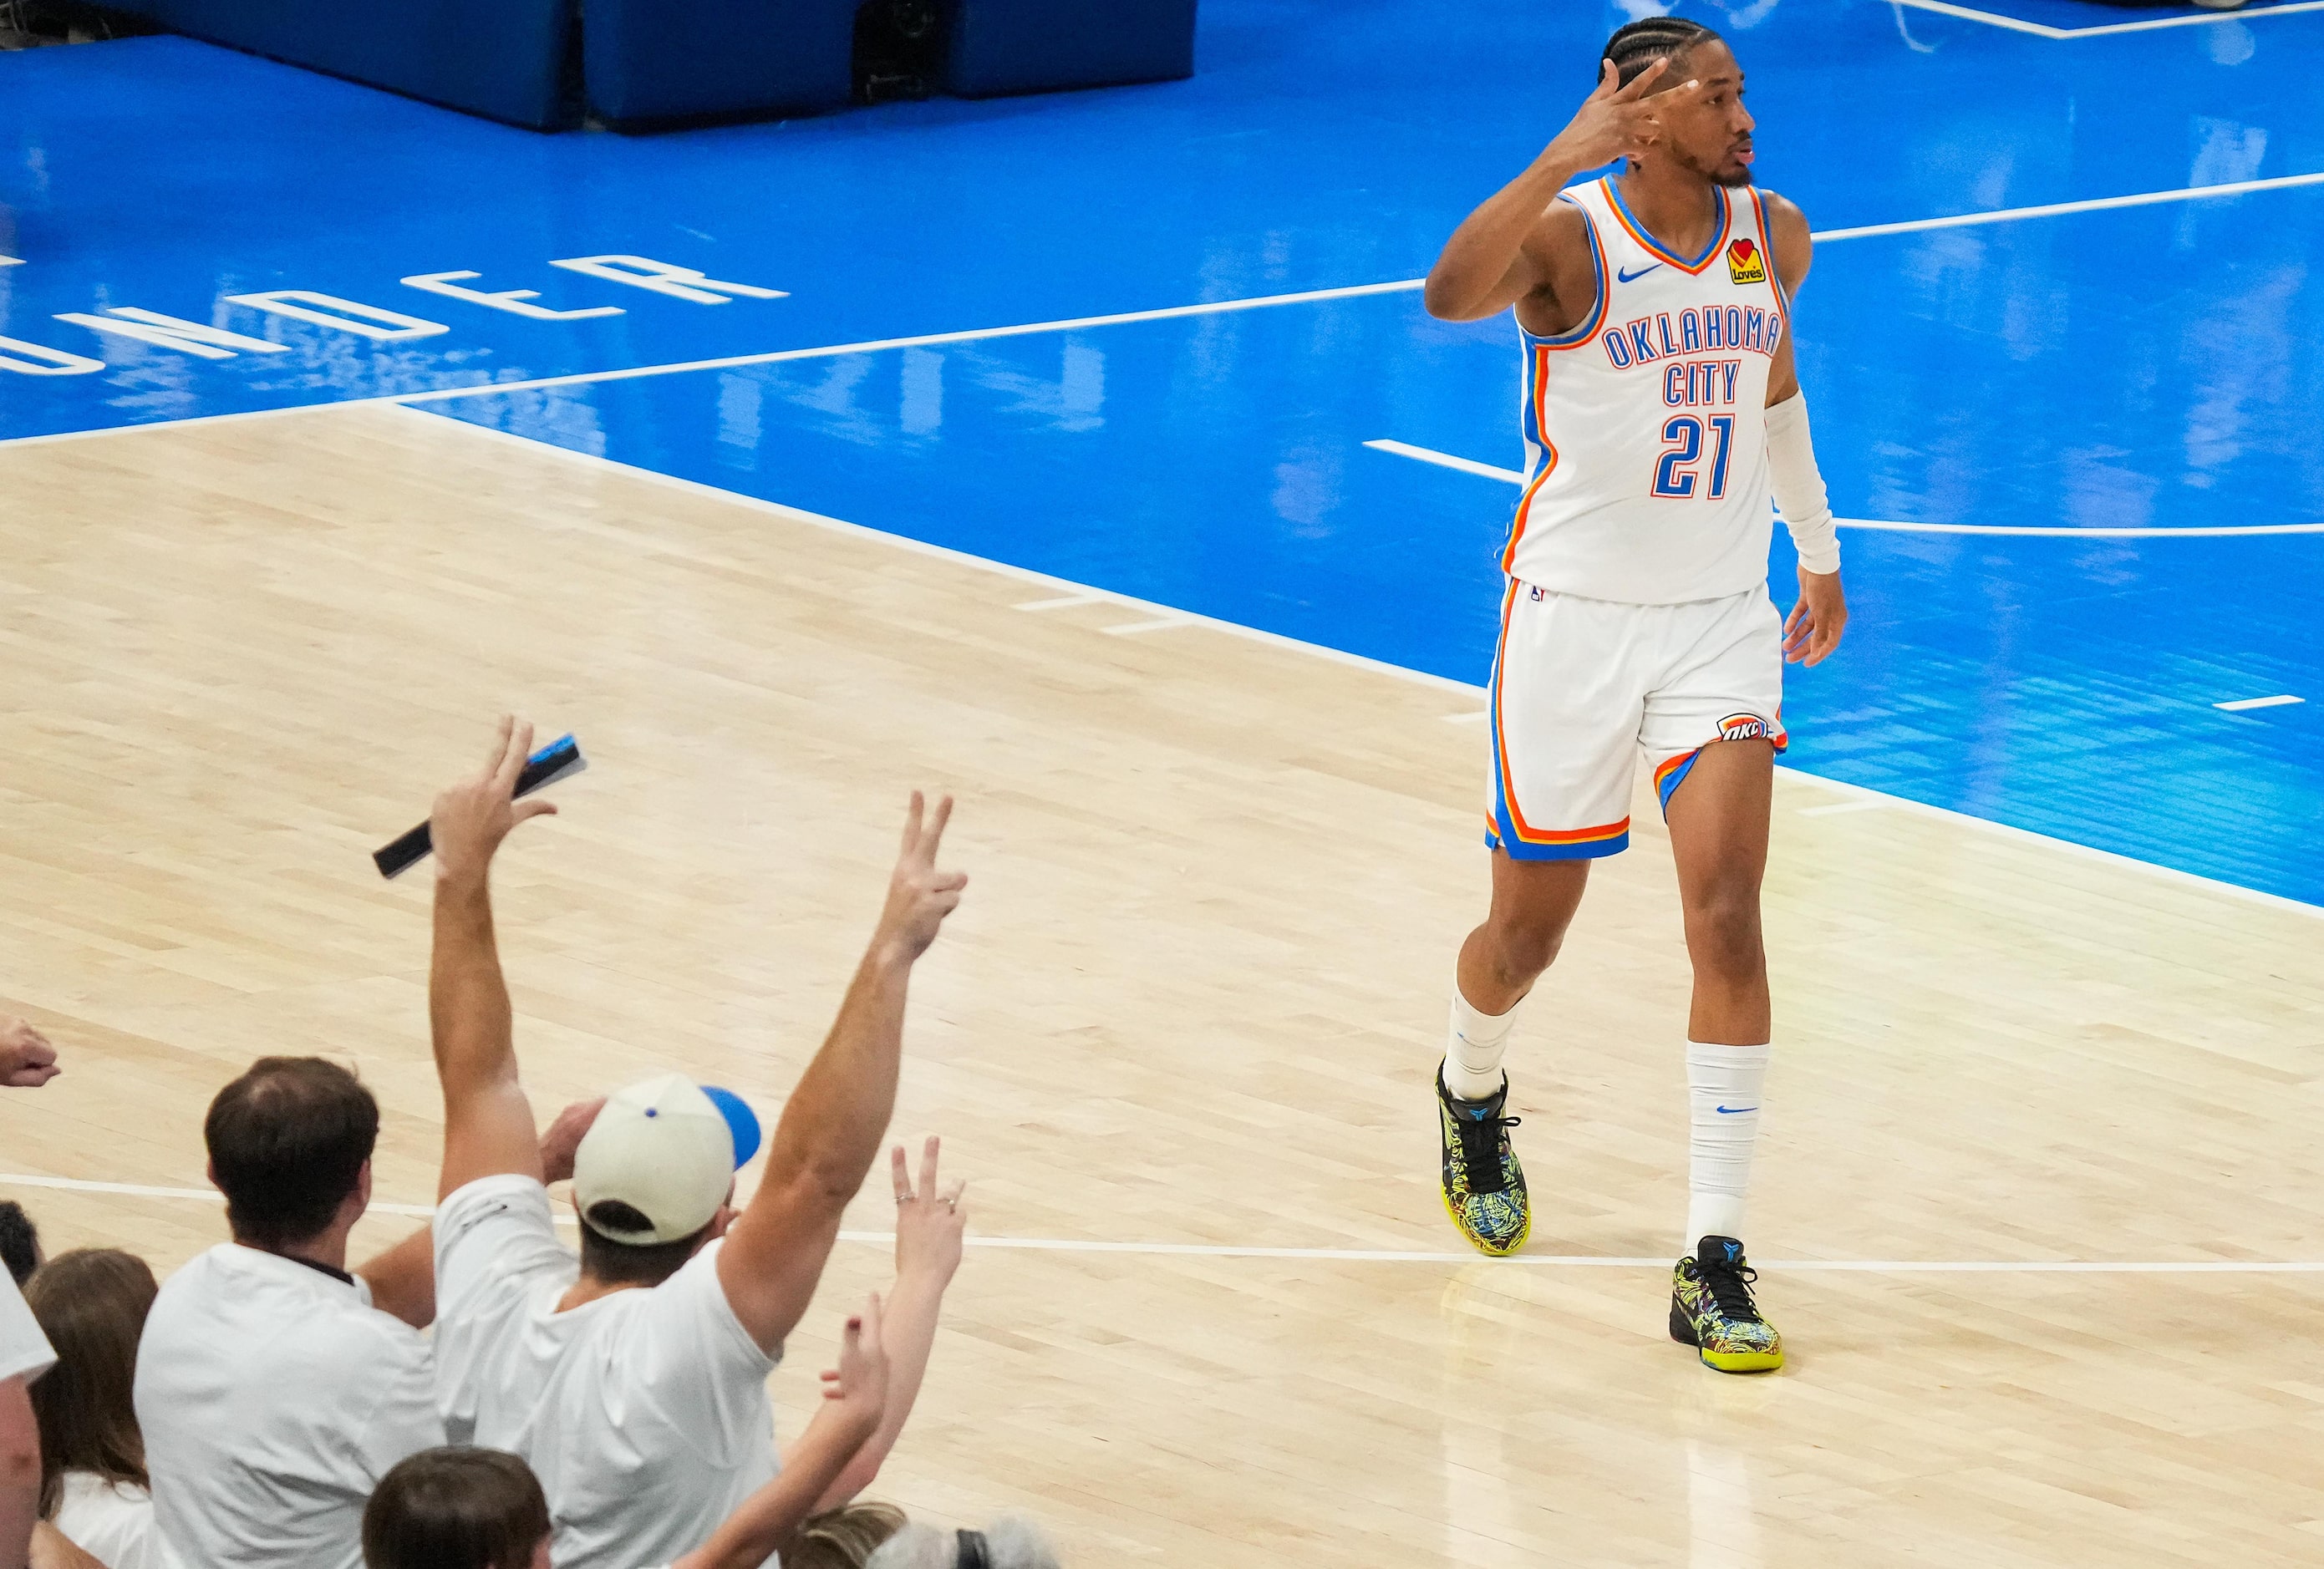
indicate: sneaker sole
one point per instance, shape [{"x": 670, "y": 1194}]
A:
[
  {"x": 1741, "y": 1361},
  {"x": 1726, "y": 1362},
  {"x": 1491, "y": 1252}
]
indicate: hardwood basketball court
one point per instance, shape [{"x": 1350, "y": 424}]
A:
[{"x": 2030, "y": 1200}]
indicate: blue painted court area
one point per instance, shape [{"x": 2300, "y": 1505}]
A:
[{"x": 2144, "y": 368}]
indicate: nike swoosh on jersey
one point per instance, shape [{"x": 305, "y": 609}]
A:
[
  {"x": 1622, "y": 276},
  {"x": 1733, "y": 1110}
]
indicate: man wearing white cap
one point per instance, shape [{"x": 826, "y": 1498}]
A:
[{"x": 633, "y": 1378}]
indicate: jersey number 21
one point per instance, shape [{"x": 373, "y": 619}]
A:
[{"x": 1675, "y": 476}]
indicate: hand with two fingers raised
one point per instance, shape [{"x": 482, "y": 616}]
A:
[
  {"x": 930, "y": 1221},
  {"x": 919, "y": 894},
  {"x": 471, "y": 818}
]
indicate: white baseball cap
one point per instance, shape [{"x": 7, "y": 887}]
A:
[{"x": 669, "y": 1149}]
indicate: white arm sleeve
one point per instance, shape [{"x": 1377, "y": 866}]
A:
[{"x": 1799, "y": 488}]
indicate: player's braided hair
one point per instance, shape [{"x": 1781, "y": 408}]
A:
[{"x": 1634, "y": 48}]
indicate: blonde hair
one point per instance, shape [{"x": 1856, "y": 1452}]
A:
[{"x": 843, "y": 1538}]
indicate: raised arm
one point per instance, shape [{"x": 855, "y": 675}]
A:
[
  {"x": 824, "y": 1144},
  {"x": 487, "y": 1120},
  {"x": 853, "y": 1398},
  {"x": 930, "y": 1222},
  {"x": 1486, "y": 266}
]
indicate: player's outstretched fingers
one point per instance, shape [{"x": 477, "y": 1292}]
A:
[
  {"x": 899, "y": 1172},
  {"x": 936, "y": 828},
  {"x": 1643, "y": 81},
  {"x": 928, "y": 1166}
]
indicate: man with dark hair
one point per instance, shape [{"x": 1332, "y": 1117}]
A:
[
  {"x": 1662, "y": 410},
  {"x": 273, "y": 1389},
  {"x": 632, "y": 1378}
]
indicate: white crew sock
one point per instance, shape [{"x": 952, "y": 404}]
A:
[
  {"x": 1722, "y": 1095},
  {"x": 1473, "y": 1044}
]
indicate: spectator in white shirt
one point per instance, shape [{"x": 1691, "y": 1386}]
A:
[
  {"x": 271, "y": 1389},
  {"x": 92, "y": 1303},
  {"x": 632, "y": 1378},
  {"x": 24, "y": 1356},
  {"x": 483, "y": 1508}
]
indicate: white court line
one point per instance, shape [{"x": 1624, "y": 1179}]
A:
[
  {"x": 2193, "y": 193},
  {"x": 1062, "y": 601},
  {"x": 1135, "y": 629},
  {"x": 2015, "y": 24},
  {"x": 1337, "y": 657},
  {"x": 1371, "y": 1256},
  {"x": 1841, "y": 808},
  {"x": 1118, "y": 318},
  {"x": 1445, "y": 460},
  {"x": 2242, "y": 703}
]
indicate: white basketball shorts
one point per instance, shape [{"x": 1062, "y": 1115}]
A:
[{"x": 1582, "y": 687}]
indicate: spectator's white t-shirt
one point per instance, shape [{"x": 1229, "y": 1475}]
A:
[
  {"x": 111, "y": 1521},
  {"x": 273, "y": 1397},
  {"x": 25, "y": 1351},
  {"x": 644, "y": 1413}
]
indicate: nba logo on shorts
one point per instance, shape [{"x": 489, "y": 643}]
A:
[
  {"x": 1745, "y": 264},
  {"x": 1742, "y": 727}
]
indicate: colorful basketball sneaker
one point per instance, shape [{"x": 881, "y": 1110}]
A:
[
  {"x": 1484, "y": 1186},
  {"x": 1712, "y": 1310}
]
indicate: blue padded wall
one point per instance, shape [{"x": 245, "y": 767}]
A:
[
  {"x": 501, "y": 58},
  {"x": 658, "y": 60},
  {"x": 1030, "y": 46}
]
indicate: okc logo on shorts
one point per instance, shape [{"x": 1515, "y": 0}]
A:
[
  {"x": 1742, "y": 727},
  {"x": 1745, "y": 264}
]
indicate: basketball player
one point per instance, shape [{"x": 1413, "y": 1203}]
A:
[{"x": 1661, "y": 411}]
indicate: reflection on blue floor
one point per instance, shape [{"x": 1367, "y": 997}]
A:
[{"x": 2138, "y": 368}]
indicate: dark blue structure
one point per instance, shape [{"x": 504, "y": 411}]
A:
[
  {"x": 641, "y": 62},
  {"x": 659, "y": 60},
  {"x": 505, "y": 60},
  {"x": 1032, "y": 46}
]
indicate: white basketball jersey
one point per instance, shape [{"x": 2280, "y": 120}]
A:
[{"x": 1646, "y": 426}]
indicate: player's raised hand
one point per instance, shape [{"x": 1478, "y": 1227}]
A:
[
  {"x": 1812, "y": 630},
  {"x": 920, "y": 896},
  {"x": 471, "y": 818},
  {"x": 1615, "y": 121}
]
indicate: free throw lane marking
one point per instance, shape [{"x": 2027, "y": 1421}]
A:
[{"x": 2241, "y": 703}]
